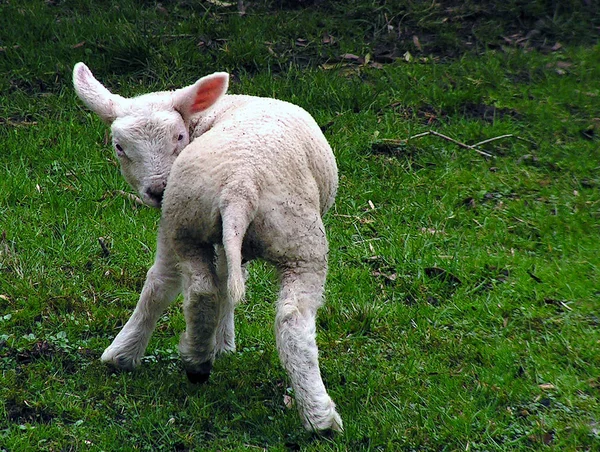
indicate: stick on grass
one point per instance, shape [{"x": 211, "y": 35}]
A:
[{"x": 472, "y": 147}]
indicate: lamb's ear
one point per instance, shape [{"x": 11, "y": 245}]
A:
[
  {"x": 94, "y": 95},
  {"x": 201, "y": 95}
]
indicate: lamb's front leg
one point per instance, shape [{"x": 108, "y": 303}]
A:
[{"x": 163, "y": 284}]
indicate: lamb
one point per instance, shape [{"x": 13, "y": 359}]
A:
[{"x": 236, "y": 178}]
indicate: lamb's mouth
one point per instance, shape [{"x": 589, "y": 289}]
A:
[{"x": 154, "y": 197}]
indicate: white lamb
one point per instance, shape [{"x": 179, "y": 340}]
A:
[{"x": 236, "y": 177}]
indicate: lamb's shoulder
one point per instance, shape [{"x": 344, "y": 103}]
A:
[
  {"x": 259, "y": 115},
  {"x": 261, "y": 145}
]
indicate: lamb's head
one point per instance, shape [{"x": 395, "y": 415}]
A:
[{"x": 149, "y": 131}]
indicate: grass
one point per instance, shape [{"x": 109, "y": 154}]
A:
[{"x": 462, "y": 301}]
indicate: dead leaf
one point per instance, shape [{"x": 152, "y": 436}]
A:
[
  {"x": 560, "y": 67},
  {"x": 548, "y": 437},
  {"x": 329, "y": 66},
  {"x": 272, "y": 52},
  {"x": 4, "y": 297},
  {"x": 350, "y": 56},
  {"x": 300, "y": 42},
  {"x": 556, "y": 47},
  {"x": 375, "y": 258},
  {"x": 389, "y": 277},
  {"x": 432, "y": 231},
  {"x": 288, "y": 401},
  {"x": 416, "y": 42},
  {"x": 18, "y": 123},
  {"x": 78, "y": 45},
  {"x": 3, "y": 49},
  {"x": 220, "y": 3},
  {"x": 328, "y": 39},
  {"x": 407, "y": 57},
  {"x": 563, "y": 64},
  {"x": 547, "y": 386}
]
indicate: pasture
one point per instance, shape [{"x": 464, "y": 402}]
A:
[{"x": 462, "y": 303}]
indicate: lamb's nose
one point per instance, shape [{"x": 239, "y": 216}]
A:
[{"x": 155, "y": 194}]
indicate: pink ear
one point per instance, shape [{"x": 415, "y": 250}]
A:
[
  {"x": 201, "y": 95},
  {"x": 209, "y": 92}
]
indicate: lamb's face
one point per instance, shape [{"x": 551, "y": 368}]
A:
[
  {"x": 149, "y": 131},
  {"x": 147, "y": 147}
]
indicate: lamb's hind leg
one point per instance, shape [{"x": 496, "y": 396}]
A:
[
  {"x": 162, "y": 285},
  {"x": 301, "y": 294},
  {"x": 202, "y": 306}
]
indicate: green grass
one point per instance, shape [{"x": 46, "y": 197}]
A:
[{"x": 462, "y": 301}]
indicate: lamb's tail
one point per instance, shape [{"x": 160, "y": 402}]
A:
[{"x": 235, "y": 220}]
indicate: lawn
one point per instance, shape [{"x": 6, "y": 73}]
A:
[{"x": 462, "y": 308}]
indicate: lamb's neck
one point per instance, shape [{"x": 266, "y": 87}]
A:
[{"x": 202, "y": 123}]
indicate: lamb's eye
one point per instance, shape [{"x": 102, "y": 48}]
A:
[
  {"x": 180, "y": 137},
  {"x": 119, "y": 149}
]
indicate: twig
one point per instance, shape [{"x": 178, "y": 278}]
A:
[
  {"x": 354, "y": 217},
  {"x": 440, "y": 135},
  {"x": 509, "y": 135},
  {"x": 419, "y": 135},
  {"x": 461, "y": 144},
  {"x": 130, "y": 196},
  {"x": 174, "y": 36},
  {"x": 566, "y": 306},
  {"x": 17, "y": 123},
  {"x": 472, "y": 147},
  {"x": 493, "y": 139}
]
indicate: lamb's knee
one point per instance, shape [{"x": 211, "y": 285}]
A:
[{"x": 297, "y": 311}]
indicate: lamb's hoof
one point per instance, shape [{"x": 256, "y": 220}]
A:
[
  {"x": 326, "y": 423},
  {"x": 337, "y": 425},
  {"x": 200, "y": 374},
  {"x": 119, "y": 361},
  {"x": 197, "y": 378},
  {"x": 329, "y": 430}
]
